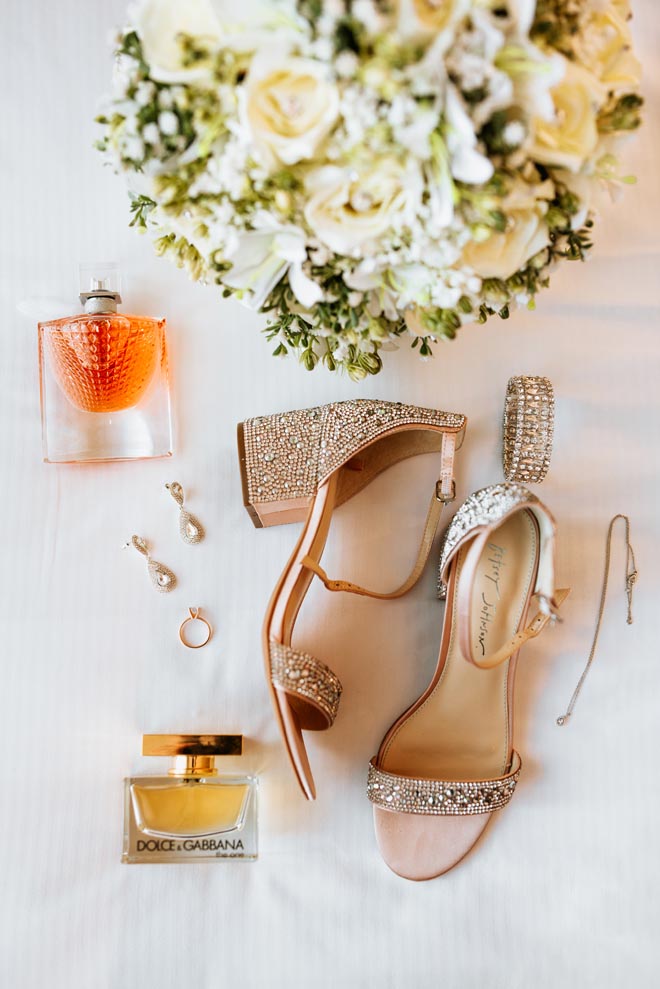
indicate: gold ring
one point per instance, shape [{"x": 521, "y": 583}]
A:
[{"x": 195, "y": 616}]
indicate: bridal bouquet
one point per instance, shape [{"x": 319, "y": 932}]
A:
[{"x": 365, "y": 171}]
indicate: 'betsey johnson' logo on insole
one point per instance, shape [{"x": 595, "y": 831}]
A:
[{"x": 490, "y": 596}]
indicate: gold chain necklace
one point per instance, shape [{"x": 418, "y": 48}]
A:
[{"x": 630, "y": 579}]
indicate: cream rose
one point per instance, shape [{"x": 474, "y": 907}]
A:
[
  {"x": 428, "y": 18},
  {"x": 605, "y": 48},
  {"x": 290, "y": 107},
  {"x": 502, "y": 254},
  {"x": 570, "y": 137},
  {"x": 505, "y": 253},
  {"x": 350, "y": 210}
]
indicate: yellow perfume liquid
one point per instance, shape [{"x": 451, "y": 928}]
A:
[{"x": 189, "y": 808}]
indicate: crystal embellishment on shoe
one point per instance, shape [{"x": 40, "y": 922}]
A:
[
  {"x": 302, "y": 674},
  {"x": 287, "y": 456},
  {"x": 447, "y": 797},
  {"x": 481, "y": 508}
]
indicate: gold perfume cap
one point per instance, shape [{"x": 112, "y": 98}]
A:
[{"x": 194, "y": 755}]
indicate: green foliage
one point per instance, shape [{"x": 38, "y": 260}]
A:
[
  {"x": 556, "y": 22},
  {"x": 130, "y": 44},
  {"x": 182, "y": 252},
  {"x": 621, "y": 113},
  {"x": 141, "y": 206}
]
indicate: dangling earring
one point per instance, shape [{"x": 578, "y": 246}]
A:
[
  {"x": 190, "y": 528},
  {"x": 161, "y": 576}
]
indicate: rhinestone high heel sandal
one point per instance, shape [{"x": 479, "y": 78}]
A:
[
  {"x": 448, "y": 762},
  {"x": 296, "y": 467}
]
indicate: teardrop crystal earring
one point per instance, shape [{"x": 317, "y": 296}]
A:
[
  {"x": 161, "y": 576},
  {"x": 190, "y": 528}
]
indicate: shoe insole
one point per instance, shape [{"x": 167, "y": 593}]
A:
[
  {"x": 343, "y": 484},
  {"x": 460, "y": 727}
]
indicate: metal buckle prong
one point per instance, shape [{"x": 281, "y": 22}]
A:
[{"x": 441, "y": 495}]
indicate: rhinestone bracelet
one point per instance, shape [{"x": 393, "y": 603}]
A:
[{"x": 529, "y": 415}]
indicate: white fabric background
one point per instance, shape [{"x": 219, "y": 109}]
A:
[{"x": 564, "y": 888}]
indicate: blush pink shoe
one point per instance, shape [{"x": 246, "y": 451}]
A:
[
  {"x": 296, "y": 467},
  {"x": 448, "y": 763}
]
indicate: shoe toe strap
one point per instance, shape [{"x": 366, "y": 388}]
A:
[
  {"x": 410, "y": 795},
  {"x": 307, "y": 681}
]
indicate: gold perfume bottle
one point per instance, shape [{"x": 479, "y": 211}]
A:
[
  {"x": 192, "y": 814},
  {"x": 104, "y": 379}
]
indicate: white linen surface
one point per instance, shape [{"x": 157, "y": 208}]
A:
[{"x": 563, "y": 890}]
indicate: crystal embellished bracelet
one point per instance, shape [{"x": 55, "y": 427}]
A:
[{"x": 529, "y": 413}]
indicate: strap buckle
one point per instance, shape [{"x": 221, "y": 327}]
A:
[
  {"x": 549, "y": 609},
  {"x": 442, "y": 496}
]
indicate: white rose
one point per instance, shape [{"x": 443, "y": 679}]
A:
[
  {"x": 349, "y": 210},
  {"x": 571, "y": 136},
  {"x": 290, "y": 107},
  {"x": 502, "y": 254},
  {"x": 239, "y": 24},
  {"x": 605, "y": 48},
  {"x": 161, "y": 24}
]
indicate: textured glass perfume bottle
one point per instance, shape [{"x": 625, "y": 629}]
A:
[
  {"x": 104, "y": 379},
  {"x": 192, "y": 814}
]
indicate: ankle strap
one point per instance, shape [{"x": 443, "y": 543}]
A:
[
  {"x": 546, "y": 614},
  {"x": 445, "y": 492}
]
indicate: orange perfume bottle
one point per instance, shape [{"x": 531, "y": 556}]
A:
[{"x": 104, "y": 379}]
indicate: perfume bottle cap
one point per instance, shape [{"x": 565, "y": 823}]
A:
[
  {"x": 194, "y": 755},
  {"x": 99, "y": 287}
]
